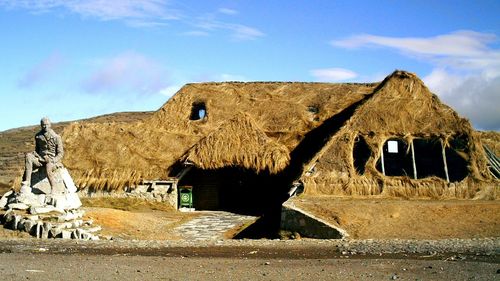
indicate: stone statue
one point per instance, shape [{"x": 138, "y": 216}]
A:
[
  {"x": 47, "y": 204},
  {"x": 48, "y": 153}
]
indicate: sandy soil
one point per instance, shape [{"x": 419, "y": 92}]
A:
[
  {"x": 145, "y": 224},
  {"x": 361, "y": 218},
  {"x": 407, "y": 219}
]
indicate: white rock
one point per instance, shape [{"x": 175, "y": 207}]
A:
[
  {"x": 25, "y": 189},
  {"x": 18, "y": 206},
  {"x": 68, "y": 181},
  {"x": 5, "y": 198},
  {"x": 66, "y": 234},
  {"x": 36, "y": 210},
  {"x": 66, "y": 201}
]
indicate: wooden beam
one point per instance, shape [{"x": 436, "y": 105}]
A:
[
  {"x": 382, "y": 159},
  {"x": 413, "y": 160},
  {"x": 443, "y": 152}
]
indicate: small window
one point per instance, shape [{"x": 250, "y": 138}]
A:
[
  {"x": 397, "y": 159},
  {"x": 429, "y": 158},
  {"x": 199, "y": 111},
  {"x": 457, "y": 158},
  {"x": 361, "y": 154}
]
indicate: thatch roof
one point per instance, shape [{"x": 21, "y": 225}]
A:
[
  {"x": 402, "y": 107},
  {"x": 239, "y": 142},
  {"x": 277, "y": 118},
  {"x": 112, "y": 155}
]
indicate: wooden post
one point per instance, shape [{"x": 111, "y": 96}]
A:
[
  {"x": 413, "y": 160},
  {"x": 444, "y": 161},
  {"x": 382, "y": 159}
]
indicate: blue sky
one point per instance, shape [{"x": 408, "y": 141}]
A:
[{"x": 72, "y": 59}]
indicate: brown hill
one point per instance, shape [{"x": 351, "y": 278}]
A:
[{"x": 14, "y": 143}]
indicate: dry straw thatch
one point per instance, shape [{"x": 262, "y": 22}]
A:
[
  {"x": 114, "y": 155},
  {"x": 239, "y": 142},
  {"x": 401, "y": 107},
  {"x": 277, "y": 116}
]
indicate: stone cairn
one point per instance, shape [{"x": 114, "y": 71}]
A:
[{"x": 47, "y": 211}]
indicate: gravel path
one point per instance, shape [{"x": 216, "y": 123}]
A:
[{"x": 212, "y": 225}]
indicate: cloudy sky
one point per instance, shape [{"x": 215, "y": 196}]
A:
[{"x": 71, "y": 59}]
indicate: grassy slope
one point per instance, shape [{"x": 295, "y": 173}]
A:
[{"x": 14, "y": 143}]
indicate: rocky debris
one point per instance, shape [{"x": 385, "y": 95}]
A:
[{"x": 46, "y": 211}]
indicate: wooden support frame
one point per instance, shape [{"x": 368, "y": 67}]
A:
[
  {"x": 443, "y": 152},
  {"x": 382, "y": 158},
  {"x": 413, "y": 160}
]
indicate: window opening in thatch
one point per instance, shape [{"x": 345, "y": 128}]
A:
[
  {"x": 397, "y": 159},
  {"x": 456, "y": 155},
  {"x": 313, "y": 112},
  {"x": 361, "y": 153},
  {"x": 313, "y": 109},
  {"x": 198, "y": 111},
  {"x": 429, "y": 158}
]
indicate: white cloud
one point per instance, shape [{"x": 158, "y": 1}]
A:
[
  {"x": 41, "y": 71},
  {"x": 227, "y": 11},
  {"x": 243, "y": 32},
  {"x": 333, "y": 74},
  {"x": 196, "y": 33},
  {"x": 128, "y": 72},
  {"x": 466, "y": 72},
  {"x": 238, "y": 31},
  {"x": 467, "y": 50},
  {"x": 460, "y": 43},
  {"x": 140, "y": 13},
  {"x": 474, "y": 96},
  {"x": 143, "y": 12}
]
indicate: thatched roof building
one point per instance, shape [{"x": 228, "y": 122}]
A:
[
  {"x": 392, "y": 138},
  {"x": 239, "y": 142}
]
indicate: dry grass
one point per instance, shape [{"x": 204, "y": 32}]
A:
[
  {"x": 15, "y": 143},
  {"x": 126, "y": 204},
  {"x": 401, "y": 107},
  {"x": 111, "y": 156},
  {"x": 239, "y": 142},
  {"x": 383, "y": 218}
]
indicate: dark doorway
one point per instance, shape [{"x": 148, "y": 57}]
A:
[
  {"x": 429, "y": 158},
  {"x": 397, "y": 158},
  {"x": 360, "y": 153},
  {"x": 232, "y": 189},
  {"x": 456, "y": 155}
]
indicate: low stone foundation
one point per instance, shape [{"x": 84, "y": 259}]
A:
[
  {"x": 51, "y": 223},
  {"x": 159, "y": 191},
  {"x": 296, "y": 220}
]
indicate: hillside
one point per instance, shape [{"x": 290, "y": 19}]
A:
[{"x": 14, "y": 143}]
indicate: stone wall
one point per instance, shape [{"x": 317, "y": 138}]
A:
[
  {"x": 296, "y": 220},
  {"x": 159, "y": 191}
]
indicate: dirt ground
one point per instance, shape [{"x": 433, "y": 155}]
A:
[
  {"x": 130, "y": 219},
  {"x": 146, "y": 225},
  {"x": 361, "y": 218},
  {"x": 407, "y": 219},
  {"x": 129, "y": 256},
  {"x": 18, "y": 266}
]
